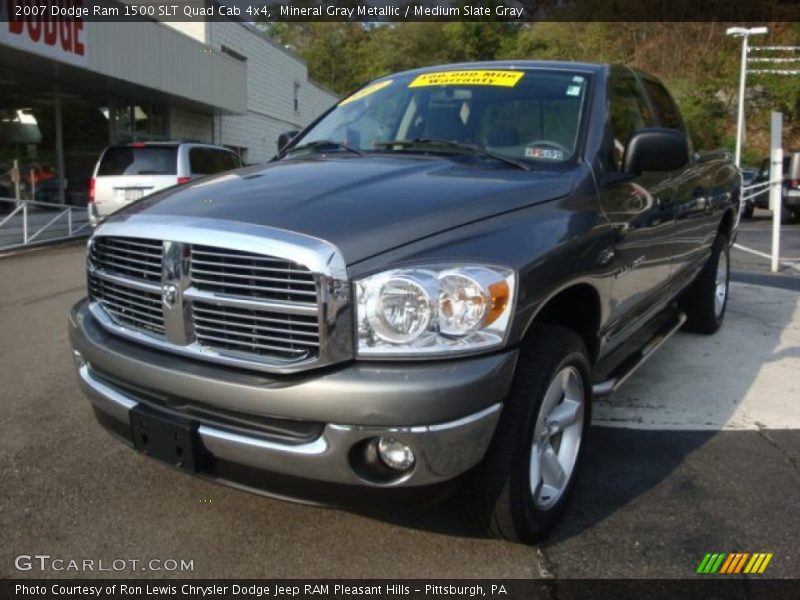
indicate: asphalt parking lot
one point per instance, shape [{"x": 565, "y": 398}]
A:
[
  {"x": 754, "y": 245},
  {"x": 700, "y": 452}
]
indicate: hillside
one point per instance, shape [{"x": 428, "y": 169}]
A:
[{"x": 698, "y": 62}]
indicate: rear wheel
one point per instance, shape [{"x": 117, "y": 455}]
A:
[
  {"x": 747, "y": 210},
  {"x": 707, "y": 298},
  {"x": 523, "y": 484}
]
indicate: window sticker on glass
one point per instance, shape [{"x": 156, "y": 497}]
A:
[
  {"x": 574, "y": 90},
  {"x": 363, "y": 93},
  {"x": 545, "y": 153},
  {"x": 494, "y": 78}
]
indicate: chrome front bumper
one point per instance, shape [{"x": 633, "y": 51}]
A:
[
  {"x": 446, "y": 414},
  {"x": 443, "y": 451}
]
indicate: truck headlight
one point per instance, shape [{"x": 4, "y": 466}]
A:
[{"x": 434, "y": 310}]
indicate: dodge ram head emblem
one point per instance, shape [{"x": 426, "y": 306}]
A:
[{"x": 169, "y": 293}]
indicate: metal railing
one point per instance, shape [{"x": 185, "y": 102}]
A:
[
  {"x": 751, "y": 192},
  {"x": 30, "y": 223}
]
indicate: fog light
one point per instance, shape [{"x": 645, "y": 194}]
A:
[{"x": 395, "y": 454}]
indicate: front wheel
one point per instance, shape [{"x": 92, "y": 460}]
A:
[
  {"x": 524, "y": 482},
  {"x": 747, "y": 210}
]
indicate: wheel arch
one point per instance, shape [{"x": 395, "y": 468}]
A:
[
  {"x": 726, "y": 225},
  {"x": 560, "y": 309}
]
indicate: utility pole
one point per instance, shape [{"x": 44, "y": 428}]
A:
[{"x": 744, "y": 33}]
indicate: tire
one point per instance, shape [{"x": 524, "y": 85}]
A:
[
  {"x": 787, "y": 215},
  {"x": 501, "y": 494},
  {"x": 747, "y": 210},
  {"x": 707, "y": 298}
]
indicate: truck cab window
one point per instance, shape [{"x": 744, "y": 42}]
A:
[
  {"x": 668, "y": 113},
  {"x": 628, "y": 111}
]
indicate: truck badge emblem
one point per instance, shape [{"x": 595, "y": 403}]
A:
[{"x": 169, "y": 293}]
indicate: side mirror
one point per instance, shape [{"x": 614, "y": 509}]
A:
[
  {"x": 286, "y": 137},
  {"x": 656, "y": 149}
]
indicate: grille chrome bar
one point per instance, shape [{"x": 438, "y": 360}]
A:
[
  {"x": 200, "y": 316},
  {"x": 127, "y": 282},
  {"x": 202, "y": 282},
  {"x": 251, "y": 347},
  {"x": 231, "y": 331},
  {"x": 237, "y": 294},
  {"x": 292, "y": 308},
  {"x": 199, "y": 261},
  {"x": 202, "y": 272}
]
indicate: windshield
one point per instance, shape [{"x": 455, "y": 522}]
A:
[{"x": 524, "y": 115}]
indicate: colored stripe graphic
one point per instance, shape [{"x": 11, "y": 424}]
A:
[
  {"x": 727, "y": 564},
  {"x": 702, "y": 567},
  {"x": 711, "y": 563},
  {"x": 733, "y": 563},
  {"x": 740, "y": 564}
]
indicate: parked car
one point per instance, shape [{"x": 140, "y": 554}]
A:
[
  {"x": 749, "y": 175},
  {"x": 128, "y": 172},
  {"x": 790, "y": 190},
  {"x": 421, "y": 293}
]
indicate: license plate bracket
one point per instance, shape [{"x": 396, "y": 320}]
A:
[{"x": 165, "y": 438}]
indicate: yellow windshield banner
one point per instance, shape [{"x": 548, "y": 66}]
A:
[
  {"x": 362, "y": 93},
  {"x": 496, "y": 78}
]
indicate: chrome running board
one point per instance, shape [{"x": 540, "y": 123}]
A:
[{"x": 609, "y": 386}]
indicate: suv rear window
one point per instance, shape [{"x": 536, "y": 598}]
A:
[
  {"x": 207, "y": 161},
  {"x": 145, "y": 160}
]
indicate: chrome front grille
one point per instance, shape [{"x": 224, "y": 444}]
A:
[
  {"x": 258, "y": 332},
  {"x": 251, "y": 275},
  {"x": 227, "y": 304},
  {"x": 128, "y": 257},
  {"x": 128, "y": 306}
]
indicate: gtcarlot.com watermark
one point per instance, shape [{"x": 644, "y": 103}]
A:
[{"x": 48, "y": 563}]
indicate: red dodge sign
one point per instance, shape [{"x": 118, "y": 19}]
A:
[{"x": 39, "y": 26}]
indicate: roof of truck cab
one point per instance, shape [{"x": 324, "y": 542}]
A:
[{"x": 514, "y": 64}]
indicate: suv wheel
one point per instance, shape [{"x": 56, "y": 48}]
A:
[
  {"x": 523, "y": 484},
  {"x": 707, "y": 298}
]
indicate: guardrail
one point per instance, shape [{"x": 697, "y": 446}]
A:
[{"x": 30, "y": 223}]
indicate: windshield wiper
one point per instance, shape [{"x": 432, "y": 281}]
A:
[
  {"x": 462, "y": 146},
  {"x": 320, "y": 145}
]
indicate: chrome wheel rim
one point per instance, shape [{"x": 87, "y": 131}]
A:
[
  {"x": 721, "y": 288},
  {"x": 557, "y": 437}
]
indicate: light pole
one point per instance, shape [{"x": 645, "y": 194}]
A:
[{"x": 744, "y": 33}]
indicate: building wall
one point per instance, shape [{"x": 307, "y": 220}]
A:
[
  {"x": 272, "y": 74},
  {"x": 147, "y": 54},
  {"x": 190, "y": 125}
]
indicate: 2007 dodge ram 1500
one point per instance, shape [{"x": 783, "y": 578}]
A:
[{"x": 426, "y": 287}]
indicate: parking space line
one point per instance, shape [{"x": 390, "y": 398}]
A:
[{"x": 784, "y": 262}]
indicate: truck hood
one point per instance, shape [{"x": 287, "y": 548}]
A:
[{"x": 363, "y": 205}]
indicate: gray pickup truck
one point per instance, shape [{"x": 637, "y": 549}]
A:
[{"x": 421, "y": 293}]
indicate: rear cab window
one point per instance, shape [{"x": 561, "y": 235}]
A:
[
  {"x": 628, "y": 111},
  {"x": 139, "y": 160},
  {"x": 668, "y": 113}
]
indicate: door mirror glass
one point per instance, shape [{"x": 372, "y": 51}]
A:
[{"x": 656, "y": 149}]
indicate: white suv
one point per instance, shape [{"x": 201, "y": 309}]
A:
[{"x": 128, "y": 172}]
